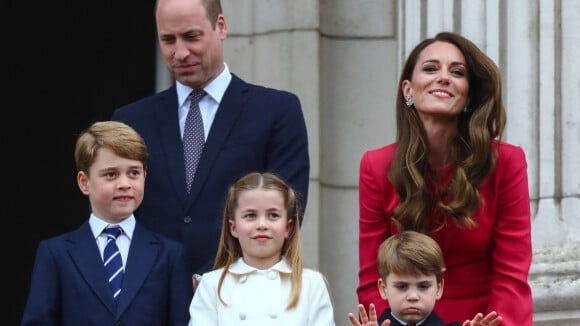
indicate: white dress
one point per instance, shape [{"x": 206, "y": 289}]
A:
[{"x": 259, "y": 297}]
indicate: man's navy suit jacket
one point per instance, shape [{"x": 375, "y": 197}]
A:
[
  {"x": 256, "y": 129},
  {"x": 70, "y": 284}
]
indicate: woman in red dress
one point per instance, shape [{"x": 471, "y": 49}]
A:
[{"x": 450, "y": 175}]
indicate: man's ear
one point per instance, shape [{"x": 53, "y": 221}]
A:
[{"x": 221, "y": 27}]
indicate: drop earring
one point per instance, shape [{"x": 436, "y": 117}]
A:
[{"x": 409, "y": 102}]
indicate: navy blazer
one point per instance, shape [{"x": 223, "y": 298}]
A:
[
  {"x": 70, "y": 285},
  {"x": 256, "y": 129}
]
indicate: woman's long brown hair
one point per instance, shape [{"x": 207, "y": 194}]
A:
[{"x": 472, "y": 150}]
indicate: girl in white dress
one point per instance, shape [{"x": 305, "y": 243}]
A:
[{"x": 258, "y": 277}]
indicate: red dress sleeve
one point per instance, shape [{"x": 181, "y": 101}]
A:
[{"x": 512, "y": 244}]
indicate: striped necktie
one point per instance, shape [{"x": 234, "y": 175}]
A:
[{"x": 113, "y": 261}]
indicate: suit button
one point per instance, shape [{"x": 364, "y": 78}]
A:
[{"x": 187, "y": 219}]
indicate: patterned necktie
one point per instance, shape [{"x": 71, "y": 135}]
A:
[
  {"x": 113, "y": 261},
  {"x": 193, "y": 136}
]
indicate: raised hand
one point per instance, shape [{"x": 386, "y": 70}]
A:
[
  {"x": 491, "y": 319},
  {"x": 371, "y": 319}
]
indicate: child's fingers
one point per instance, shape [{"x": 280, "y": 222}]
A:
[
  {"x": 491, "y": 316},
  {"x": 492, "y": 319},
  {"x": 373, "y": 312},
  {"x": 363, "y": 314},
  {"x": 353, "y": 319}
]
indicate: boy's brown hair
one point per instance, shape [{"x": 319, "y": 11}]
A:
[
  {"x": 123, "y": 140},
  {"x": 410, "y": 253}
]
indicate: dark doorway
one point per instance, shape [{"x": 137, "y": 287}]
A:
[{"x": 68, "y": 64}]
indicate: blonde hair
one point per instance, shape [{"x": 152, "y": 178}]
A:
[
  {"x": 116, "y": 136},
  {"x": 229, "y": 249}
]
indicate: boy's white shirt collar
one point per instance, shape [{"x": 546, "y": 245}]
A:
[
  {"x": 98, "y": 225},
  {"x": 404, "y": 323}
]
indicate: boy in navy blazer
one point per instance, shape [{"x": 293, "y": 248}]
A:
[{"x": 70, "y": 285}]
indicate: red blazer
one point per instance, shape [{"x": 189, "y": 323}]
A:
[{"x": 487, "y": 266}]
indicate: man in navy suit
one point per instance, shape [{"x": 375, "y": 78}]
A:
[
  {"x": 247, "y": 128},
  {"x": 70, "y": 284}
]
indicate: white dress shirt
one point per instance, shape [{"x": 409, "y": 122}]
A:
[{"x": 208, "y": 105}]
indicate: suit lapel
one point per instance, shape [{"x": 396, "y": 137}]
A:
[
  {"x": 233, "y": 103},
  {"x": 83, "y": 250},
  {"x": 167, "y": 116},
  {"x": 142, "y": 254}
]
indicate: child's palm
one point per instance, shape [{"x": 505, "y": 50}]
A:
[{"x": 371, "y": 319}]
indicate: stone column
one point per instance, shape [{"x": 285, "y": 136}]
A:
[
  {"x": 555, "y": 275},
  {"x": 275, "y": 44},
  {"x": 358, "y": 68}
]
